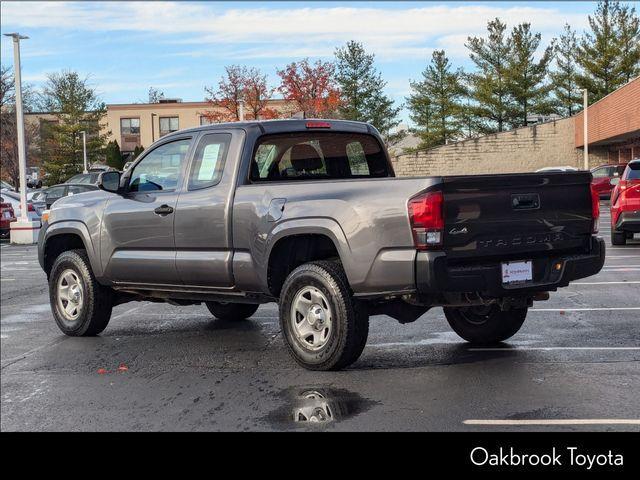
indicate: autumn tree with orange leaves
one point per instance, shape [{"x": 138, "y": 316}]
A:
[
  {"x": 312, "y": 87},
  {"x": 240, "y": 83}
]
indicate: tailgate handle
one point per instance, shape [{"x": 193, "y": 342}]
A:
[{"x": 525, "y": 201}]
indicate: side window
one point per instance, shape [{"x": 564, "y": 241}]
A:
[
  {"x": 160, "y": 168},
  {"x": 601, "y": 172},
  {"x": 208, "y": 161},
  {"x": 55, "y": 192}
]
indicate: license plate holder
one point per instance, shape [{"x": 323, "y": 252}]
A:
[{"x": 517, "y": 272}]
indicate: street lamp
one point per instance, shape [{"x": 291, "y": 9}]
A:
[
  {"x": 22, "y": 159},
  {"x": 241, "y": 110},
  {"x": 84, "y": 151}
]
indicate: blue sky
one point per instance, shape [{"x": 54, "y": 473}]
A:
[{"x": 179, "y": 47}]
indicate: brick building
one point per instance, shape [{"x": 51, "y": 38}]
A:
[{"x": 613, "y": 135}]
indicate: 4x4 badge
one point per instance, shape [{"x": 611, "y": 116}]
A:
[{"x": 458, "y": 231}]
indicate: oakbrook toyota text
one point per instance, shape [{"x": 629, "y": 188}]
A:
[{"x": 571, "y": 456}]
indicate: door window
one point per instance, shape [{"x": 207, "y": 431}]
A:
[
  {"x": 208, "y": 161},
  {"x": 160, "y": 169}
]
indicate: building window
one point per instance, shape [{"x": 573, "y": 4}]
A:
[
  {"x": 168, "y": 125},
  {"x": 130, "y": 126},
  {"x": 205, "y": 121}
]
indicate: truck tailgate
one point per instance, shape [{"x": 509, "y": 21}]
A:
[{"x": 507, "y": 215}]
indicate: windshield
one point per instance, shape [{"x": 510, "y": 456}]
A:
[
  {"x": 633, "y": 171},
  {"x": 88, "y": 178},
  {"x": 318, "y": 156}
]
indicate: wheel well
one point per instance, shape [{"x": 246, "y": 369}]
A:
[
  {"x": 291, "y": 252},
  {"x": 58, "y": 244}
]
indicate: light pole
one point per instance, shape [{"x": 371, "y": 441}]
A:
[
  {"x": 84, "y": 151},
  {"x": 241, "y": 110},
  {"x": 22, "y": 159},
  {"x": 585, "y": 126}
]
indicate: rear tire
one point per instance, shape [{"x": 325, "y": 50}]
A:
[
  {"x": 617, "y": 237},
  {"x": 81, "y": 306},
  {"x": 485, "y": 325},
  {"x": 232, "y": 311},
  {"x": 324, "y": 327}
]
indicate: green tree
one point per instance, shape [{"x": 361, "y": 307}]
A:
[
  {"x": 136, "y": 152},
  {"x": 489, "y": 84},
  {"x": 609, "y": 53},
  {"x": 113, "y": 155},
  {"x": 437, "y": 100},
  {"x": 362, "y": 91},
  {"x": 76, "y": 108},
  {"x": 567, "y": 99},
  {"x": 526, "y": 76},
  {"x": 628, "y": 26}
]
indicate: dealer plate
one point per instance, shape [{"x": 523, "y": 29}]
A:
[{"x": 517, "y": 272}]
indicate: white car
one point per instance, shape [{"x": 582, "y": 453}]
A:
[
  {"x": 566, "y": 168},
  {"x": 14, "y": 199}
]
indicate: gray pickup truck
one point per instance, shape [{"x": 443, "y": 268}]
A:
[{"x": 307, "y": 213}]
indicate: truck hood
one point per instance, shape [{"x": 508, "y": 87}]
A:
[{"x": 82, "y": 206}]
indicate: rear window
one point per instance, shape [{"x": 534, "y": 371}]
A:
[
  {"x": 633, "y": 171},
  {"x": 318, "y": 156}
]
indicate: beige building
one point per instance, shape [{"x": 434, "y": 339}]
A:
[{"x": 140, "y": 124}]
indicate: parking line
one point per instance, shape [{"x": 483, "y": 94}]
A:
[
  {"x": 558, "y": 421},
  {"x": 549, "y": 349},
  {"x": 7, "y": 279},
  {"x": 594, "y": 309}
]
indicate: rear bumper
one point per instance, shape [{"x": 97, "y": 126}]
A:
[
  {"x": 435, "y": 276},
  {"x": 629, "y": 222}
]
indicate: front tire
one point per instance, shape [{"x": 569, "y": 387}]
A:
[
  {"x": 484, "y": 325},
  {"x": 324, "y": 327},
  {"x": 81, "y": 306},
  {"x": 232, "y": 311}
]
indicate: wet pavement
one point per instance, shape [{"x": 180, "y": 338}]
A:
[{"x": 162, "y": 367}]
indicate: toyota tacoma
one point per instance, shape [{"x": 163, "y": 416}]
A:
[{"x": 309, "y": 214}]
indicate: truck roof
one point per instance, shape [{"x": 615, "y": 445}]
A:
[{"x": 286, "y": 125}]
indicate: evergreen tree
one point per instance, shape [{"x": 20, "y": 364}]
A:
[
  {"x": 76, "y": 108},
  {"x": 628, "y": 26},
  {"x": 113, "y": 155},
  {"x": 136, "y": 152},
  {"x": 439, "y": 96},
  {"x": 609, "y": 53},
  {"x": 361, "y": 91},
  {"x": 563, "y": 78},
  {"x": 526, "y": 77},
  {"x": 489, "y": 84}
]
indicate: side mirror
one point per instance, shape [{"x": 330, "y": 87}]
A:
[{"x": 109, "y": 181}]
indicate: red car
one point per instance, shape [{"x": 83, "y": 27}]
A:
[
  {"x": 6, "y": 217},
  {"x": 625, "y": 205},
  {"x": 602, "y": 176}
]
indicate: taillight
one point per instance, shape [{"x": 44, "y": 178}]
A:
[
  {"x": 313, "y": 124},
  {"x": 427, "y": 219},
  {"x": 30, "y": 207},
  {"x": 595, "y": 210}
]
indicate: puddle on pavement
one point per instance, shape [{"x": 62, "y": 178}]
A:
[{"x": 315, "y": 406}]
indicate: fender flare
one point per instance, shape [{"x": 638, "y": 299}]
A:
[{"x": 78, "y": 228}]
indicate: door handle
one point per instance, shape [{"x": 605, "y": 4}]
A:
[{"x": 163, "y": 210}]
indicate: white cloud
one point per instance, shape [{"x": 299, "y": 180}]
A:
[{"x": 390, "y": 33}]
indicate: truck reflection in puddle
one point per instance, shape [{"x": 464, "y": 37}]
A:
[{"x": 318, "y": 405}]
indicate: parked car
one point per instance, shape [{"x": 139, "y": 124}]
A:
[
  {"x": 14, "y": 199},
  {"x": 602, "y": 177},
  {"x": 625, "y": 205},
  {"x": 62, "y": 190},
  {"x": 6, "y": 186},
  {"x": 566, "y": 168},
  {"x": 7, "y": 215},
  {"x": 307, "y": 213},
  {"x": 90, "y": 178}
]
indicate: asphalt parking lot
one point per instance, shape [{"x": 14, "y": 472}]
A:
[{"x": 575, "y": 365}]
